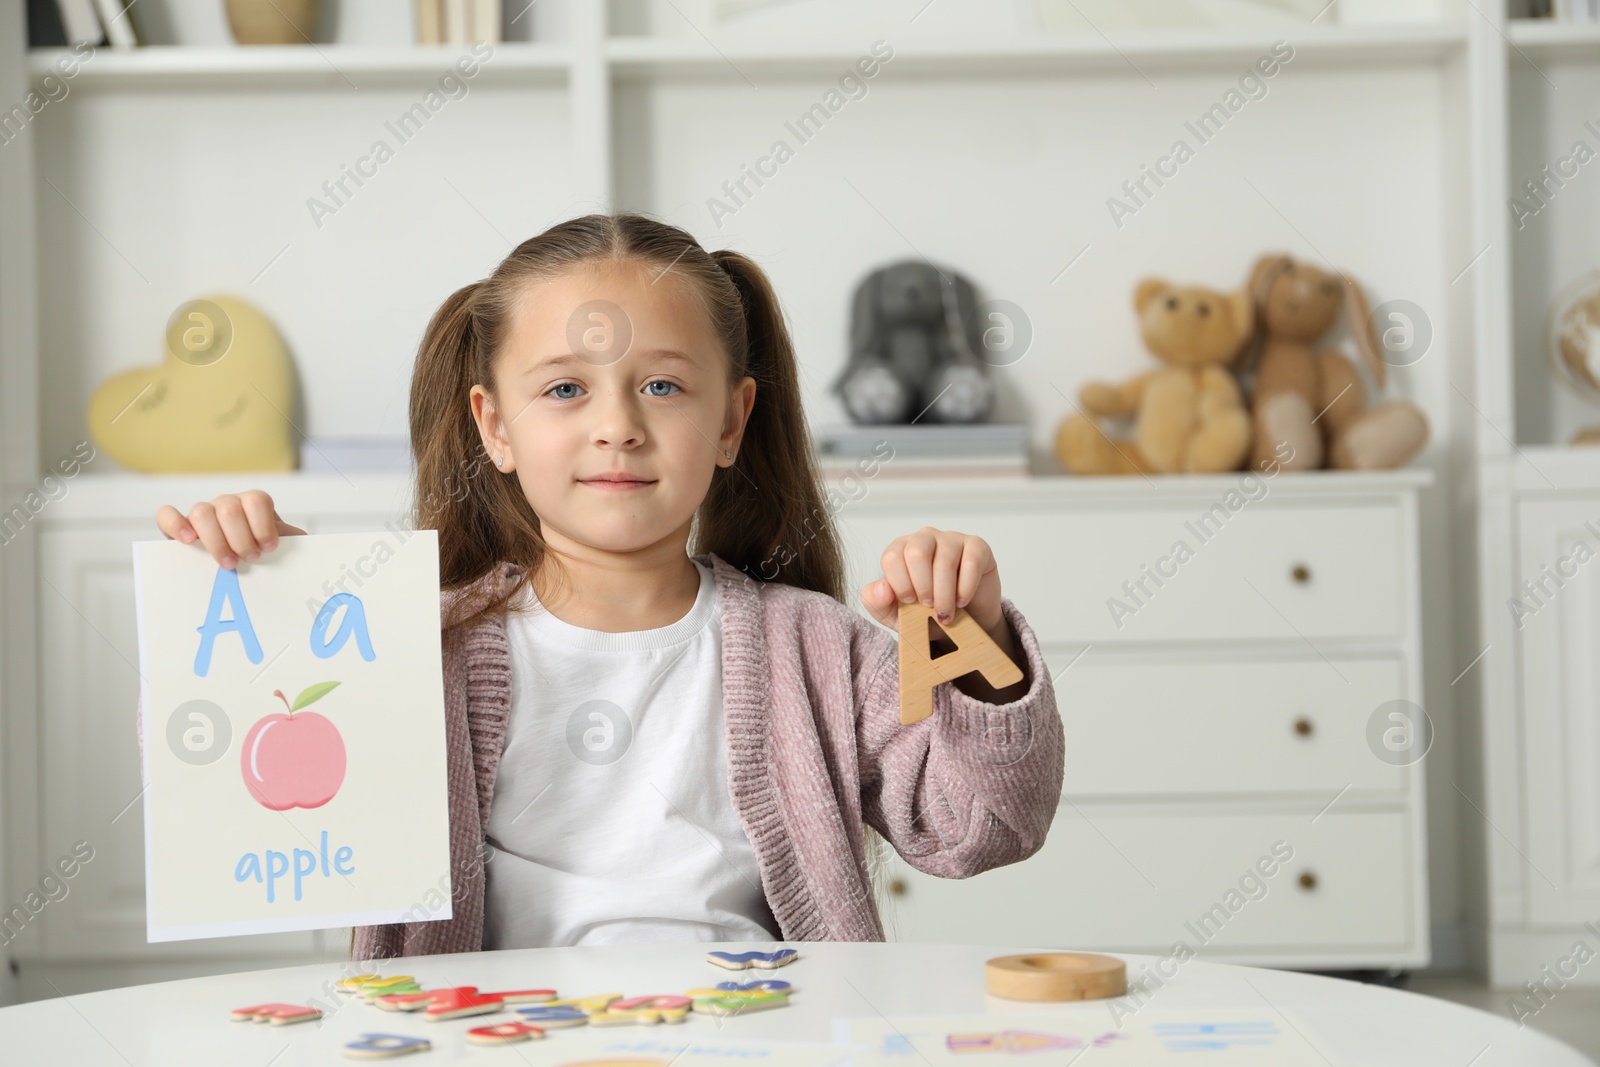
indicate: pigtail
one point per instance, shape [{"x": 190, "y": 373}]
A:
[
  {"x": 766, "y": 514},
  {"x": 481, "y": 514}
]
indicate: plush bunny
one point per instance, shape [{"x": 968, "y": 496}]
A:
[
  {"x": 1312, "y": 399},
  {"x": 914, "y": 348},
  {"x": 1188, "y": 415}
]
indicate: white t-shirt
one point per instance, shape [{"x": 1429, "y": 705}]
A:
[{"x": 611, "y": 819}]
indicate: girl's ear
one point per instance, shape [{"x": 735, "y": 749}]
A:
[
  {"x": 740, "y": 403},
  {"x": 491, "y": 429}
]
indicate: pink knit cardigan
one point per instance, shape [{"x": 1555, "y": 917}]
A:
[{"x": 811, "y": 699}]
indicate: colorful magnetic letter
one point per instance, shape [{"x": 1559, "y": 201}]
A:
[
  {"x": 459, "y": 1001},
  {"x": 597, "y": 1002},
  {"x": 760, "y": 985},
  {"x": 503, "y": 1034},
  {"x": 276, "y": 1014},
  {"x": 526, "y": 996},
  {"x": 645, "y": 1011},
  {"x": 739, "y": 1003},
  {"x": 382, "y": 1046},
  {"x": 553, "y": 1017},
  {"x": 738, "y": 961}
]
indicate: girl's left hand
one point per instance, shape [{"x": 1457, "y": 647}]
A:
[{"x": 944, "y": 570}]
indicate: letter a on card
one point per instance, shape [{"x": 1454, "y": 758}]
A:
[{"x": 920, "y": 672}]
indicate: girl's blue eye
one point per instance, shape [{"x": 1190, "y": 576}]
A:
[
  {"x": 663, "y": 381},
  {"x": 564, "y": 385}
]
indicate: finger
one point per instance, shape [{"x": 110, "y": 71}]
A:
[
  {"x": 878, "y": 596},
  {"x": 261, "y": 518},
  {"x": 977, "y": 559},
  {"x": 893, "y": 564},
  {"x": 170, "y": 521},
  {"x": 203, "y": 517},
  {"x": 236, "y": 525},
  {"x": 948, "y": 550},
  {"x": 919, "y": 552}
]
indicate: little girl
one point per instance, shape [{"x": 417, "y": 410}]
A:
[{"x": 649, "y": 745}]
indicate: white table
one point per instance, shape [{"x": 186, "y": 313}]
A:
[{"x": 187, "y": 1022}]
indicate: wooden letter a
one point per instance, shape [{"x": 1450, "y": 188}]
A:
[{"x": 920, "y": 672}]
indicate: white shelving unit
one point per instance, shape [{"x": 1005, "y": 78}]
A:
[
  {"x": 1386, "y": 151},
  {"x": 1536, "y": 713}
]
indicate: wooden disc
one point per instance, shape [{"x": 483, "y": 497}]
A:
[{"x": 1056, "y": 976}]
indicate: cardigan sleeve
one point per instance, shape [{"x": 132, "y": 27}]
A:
[{"x": 975, "y": 785}]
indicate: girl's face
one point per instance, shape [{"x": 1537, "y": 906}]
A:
[{"x": 612, "y": 370}]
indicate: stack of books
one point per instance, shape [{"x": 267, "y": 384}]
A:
[
  {"x": 459, "y": 21},
  {"x": 343, "y": 455},
  {"x": 55, "y": 23},
  {"x": 924, "y": 450},
  {"x": 1566, "y": 10}
]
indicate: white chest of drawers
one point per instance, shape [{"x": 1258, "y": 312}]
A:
[
  {"x": 1227, "y": 712},
  {"x": 1225, "y": 653}
]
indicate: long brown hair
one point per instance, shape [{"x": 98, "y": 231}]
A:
[{"x": 765, "y": 515}]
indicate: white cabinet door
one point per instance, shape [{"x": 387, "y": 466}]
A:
[
  {"x": 1292, "y": 572},
  {"x": 1209, "y": 726},
  {"x": 1559, "y": 639},
  {"x": 89, "y": 775},
  {"x": 1234, "y": 883}
]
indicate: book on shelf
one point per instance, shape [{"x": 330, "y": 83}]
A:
[
  {"x": 60, "y": 23},
  {"x": 899, "y": 467},
  {"x": 430, "y": 21},
  {"x": 118, "y": 23},
  {"x": 1568, "y": 10},
  {"x": 485, "y": 22},
  {"x": 80, "y": 22},
  {"x": 459, "y": 21},
  {"x": 346, "y": 455},
  {"x": 44, "y": 25},
  {"x": 987, "y": 450}
]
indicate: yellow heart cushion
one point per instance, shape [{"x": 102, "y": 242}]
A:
[{"x": 223, "y": 399}]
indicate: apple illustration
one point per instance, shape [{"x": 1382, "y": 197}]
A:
[{"x": 294, "y": 760}]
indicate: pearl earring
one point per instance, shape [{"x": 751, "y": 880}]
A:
[
  {"x": 725, "y": 452},
  {"x": 499, "y": 461}
]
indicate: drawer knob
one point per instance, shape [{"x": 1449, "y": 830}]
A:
[
  {"x": 897, "y": 887},
  {"x": 1308, "y": 880},
  {"x": 1300, "y": 573},
  {"x": 1302, "y": 726}
]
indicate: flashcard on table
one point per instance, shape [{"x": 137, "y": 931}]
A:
[
  {"x": 294, "y": 748},
  {"x": 657, "y": 1049},
  {"x": 1238, "y": 1038}
]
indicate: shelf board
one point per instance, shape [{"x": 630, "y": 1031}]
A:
[
  {"x": 1541, "y": 470},
  {"x": 129, "y": 497},
  {"x": 1554, "y": 40},
  {"x": 335, "y": 65},
  {"x": 197, "y": 67},
  {"x": 1047, "y": 54}
]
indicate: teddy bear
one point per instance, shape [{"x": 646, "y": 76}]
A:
[
  {"x": 916, "y": 349},
  {"x": 1189, "y": 415},
  {"x": 1311, "y": 399}
]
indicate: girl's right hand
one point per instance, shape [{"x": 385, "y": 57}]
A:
[{"x": 231, "y": 527}]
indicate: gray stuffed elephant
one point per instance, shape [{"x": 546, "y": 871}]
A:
[{"x": 915, "y": 345}]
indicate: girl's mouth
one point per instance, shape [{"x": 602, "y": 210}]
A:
[{"x": 615, "y": 486}]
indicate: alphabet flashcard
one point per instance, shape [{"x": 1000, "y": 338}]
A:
[{"x": 290, "y": 707}]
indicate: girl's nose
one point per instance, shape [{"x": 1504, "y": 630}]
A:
[{"x": 617, "y": 420}]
